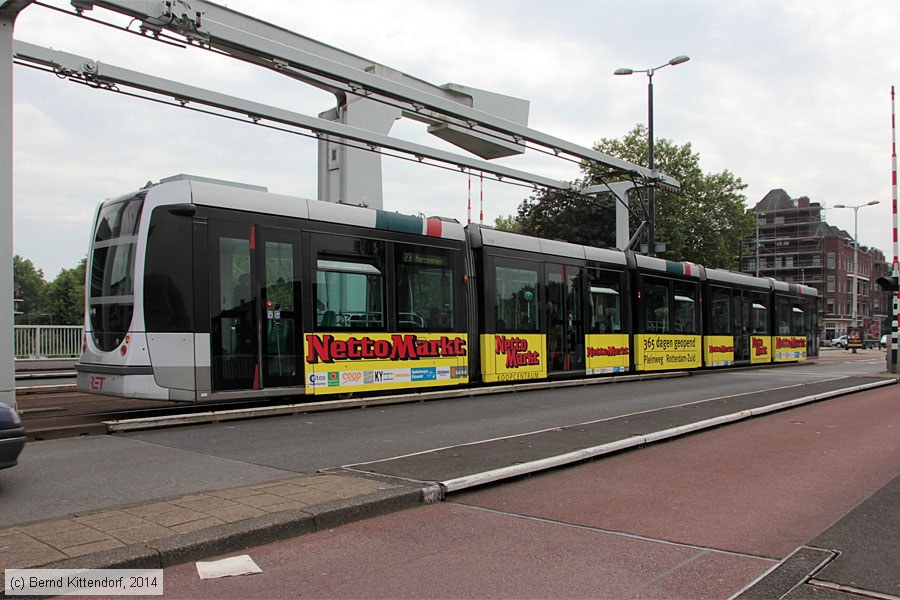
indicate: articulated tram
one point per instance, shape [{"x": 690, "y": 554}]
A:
[{"x": 202, "y": 290}]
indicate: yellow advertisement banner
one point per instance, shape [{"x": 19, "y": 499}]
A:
[
  {"x": 760, "y": 349},
  {"x": 606, "y": 353},
  {"x": 718, "y": 350},
  {"x": 662, "y": 352},
  {"x": 789, "y": 348},
  {"x": 339, "y": 363},
  {"x": 513, "y": 357}
]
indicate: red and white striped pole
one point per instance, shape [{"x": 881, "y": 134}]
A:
[
  {"x": 469, "y": 217},
  {"x": 895, "y": 323},
  {"x": 481, "y": 199}
]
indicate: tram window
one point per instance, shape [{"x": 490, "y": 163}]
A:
[
  {"x": 517, "y": 299},
  {"x": 280, "y": 275},
  {"x": 349, "y": 283},
  {"x": 685, "y": 319},
  {"x": 721, "y": 312},
  {"x": 605, "y": 301},
  {"x": 783, "y": 316},
  {"x": 424, "y": 287},
  {"x": 349, "y": 296},
  {"x": 168, "y": 277},
  {"x": 656, "y": 307},
  {"x": 119, "y": 219},
  {"x": 760, "y": 318},
  {"x": 798, "y": 319}
]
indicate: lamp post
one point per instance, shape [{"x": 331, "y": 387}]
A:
[
  {"x": 855, "y": 207},
  {"x": 651, "y": 193}
]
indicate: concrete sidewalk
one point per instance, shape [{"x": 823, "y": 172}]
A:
[{"x": 168, "y": 532}]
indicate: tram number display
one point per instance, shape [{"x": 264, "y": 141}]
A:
[
  {"x": 789, "y": 347},
  {"x": 662, "y": 352},
  {"x": 607, "y": 353},
  {"x": 719, "y": 350},
  {"x": 513, "y": 357},
  {"x": 344, "y": 362}
]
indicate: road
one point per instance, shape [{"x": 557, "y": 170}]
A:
[
  {"x": 59, "y": 477},
  {"x": 698, "y": 517}
]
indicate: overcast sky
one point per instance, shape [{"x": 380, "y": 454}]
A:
[{"x": 784, "y": 93}]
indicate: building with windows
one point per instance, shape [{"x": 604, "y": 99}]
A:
[{"x": 792, "y": 243}]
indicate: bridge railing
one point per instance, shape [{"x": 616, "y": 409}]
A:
[{"x": 47, "y": 341}]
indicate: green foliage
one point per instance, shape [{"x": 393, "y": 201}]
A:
[
  {"x": 64, "y": 296},
  {"x": 31, "y": 287},
  {"x": 507, "y": 223},
  {"x": 559, "y": 215},
  {"x": 60, "y": 302},
  {"x": 706, "y": 219}
]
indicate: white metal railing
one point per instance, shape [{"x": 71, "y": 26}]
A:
[{"x": 47, "y": 341}]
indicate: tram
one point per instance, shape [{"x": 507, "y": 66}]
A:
[{"x": 201, "y": 290}]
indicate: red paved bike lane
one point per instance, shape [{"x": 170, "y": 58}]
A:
[{"x": 697, "y": 517}]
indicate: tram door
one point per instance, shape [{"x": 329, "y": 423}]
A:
[
  {"x": 565, "y": 333},
  {"x": 254, "y": 288},
  {"x": 742, "y": 311},
  {"x": 234, "y": 308},
  {"x": 280, "y": 317}
]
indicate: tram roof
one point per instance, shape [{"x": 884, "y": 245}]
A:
[
  {"x": 517, "y": 241},
  {"x": 724, "y": 276},
  {"x": 208, "y": 192}
]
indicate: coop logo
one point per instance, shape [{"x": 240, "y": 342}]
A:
[
  {"x": 516, "y": 351},
  {"x": 327, "y": 349},
  {"x": 608, "y": 351},
  {"x": 351, "y": 377}
]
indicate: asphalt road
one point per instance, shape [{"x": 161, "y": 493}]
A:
[
  {"x": 699, "y": 517},
  {"x": 61, "y": 477}
]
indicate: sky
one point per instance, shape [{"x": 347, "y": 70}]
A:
[{"x": 791, "y": 94}]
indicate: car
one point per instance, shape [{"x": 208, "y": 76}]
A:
[
  {"x": 12, "y": 436},
  {"x": 884, "y": 341},
  {"x": 840, "y": 342}
]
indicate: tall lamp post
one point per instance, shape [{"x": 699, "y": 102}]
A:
[
  {"x": 651, "y": 193},
  {"x": 855, "y": 207}
]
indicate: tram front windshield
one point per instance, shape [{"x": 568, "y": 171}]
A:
[{"x": 111, "y": 294}]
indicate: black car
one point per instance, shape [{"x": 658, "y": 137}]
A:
[{"x": 12, "y": 436}]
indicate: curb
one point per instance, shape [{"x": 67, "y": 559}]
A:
[
  {"x": 222, "y": 539},
  {"x": 477, "y": 479}
]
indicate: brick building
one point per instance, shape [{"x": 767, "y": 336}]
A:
[{"x": 792, "y": 243}]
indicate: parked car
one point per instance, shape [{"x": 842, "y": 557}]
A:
[
  {"x": 12, "y": 436},
  {"x": 884, "y": 341},
  {"x": 840, "y": 342}
]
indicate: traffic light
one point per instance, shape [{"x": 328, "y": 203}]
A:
[{"x": 887, "y": 284}]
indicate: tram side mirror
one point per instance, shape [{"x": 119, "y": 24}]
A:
[
  {"x": 183, "y": 210},
  {"x": 887, "y": 284}
]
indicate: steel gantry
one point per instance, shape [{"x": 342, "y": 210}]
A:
[{"x": 352, "y": 136}]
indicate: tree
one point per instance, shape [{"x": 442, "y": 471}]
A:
[
  {"x": 703, "y": 222},
  {"x": 561, "y": 215},
  {"x": 31, "y": 286},
  {"x": 507, "y": 223},
  {"x": 64, "y": 297},
  {"x": 706, "y": 219}
]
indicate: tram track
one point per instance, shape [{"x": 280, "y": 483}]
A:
[{"x": 72, "y": 414}]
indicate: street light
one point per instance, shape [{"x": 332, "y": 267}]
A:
[
  {"x": 651, "y": 194},
  {"x": 855, "y": 207}
]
